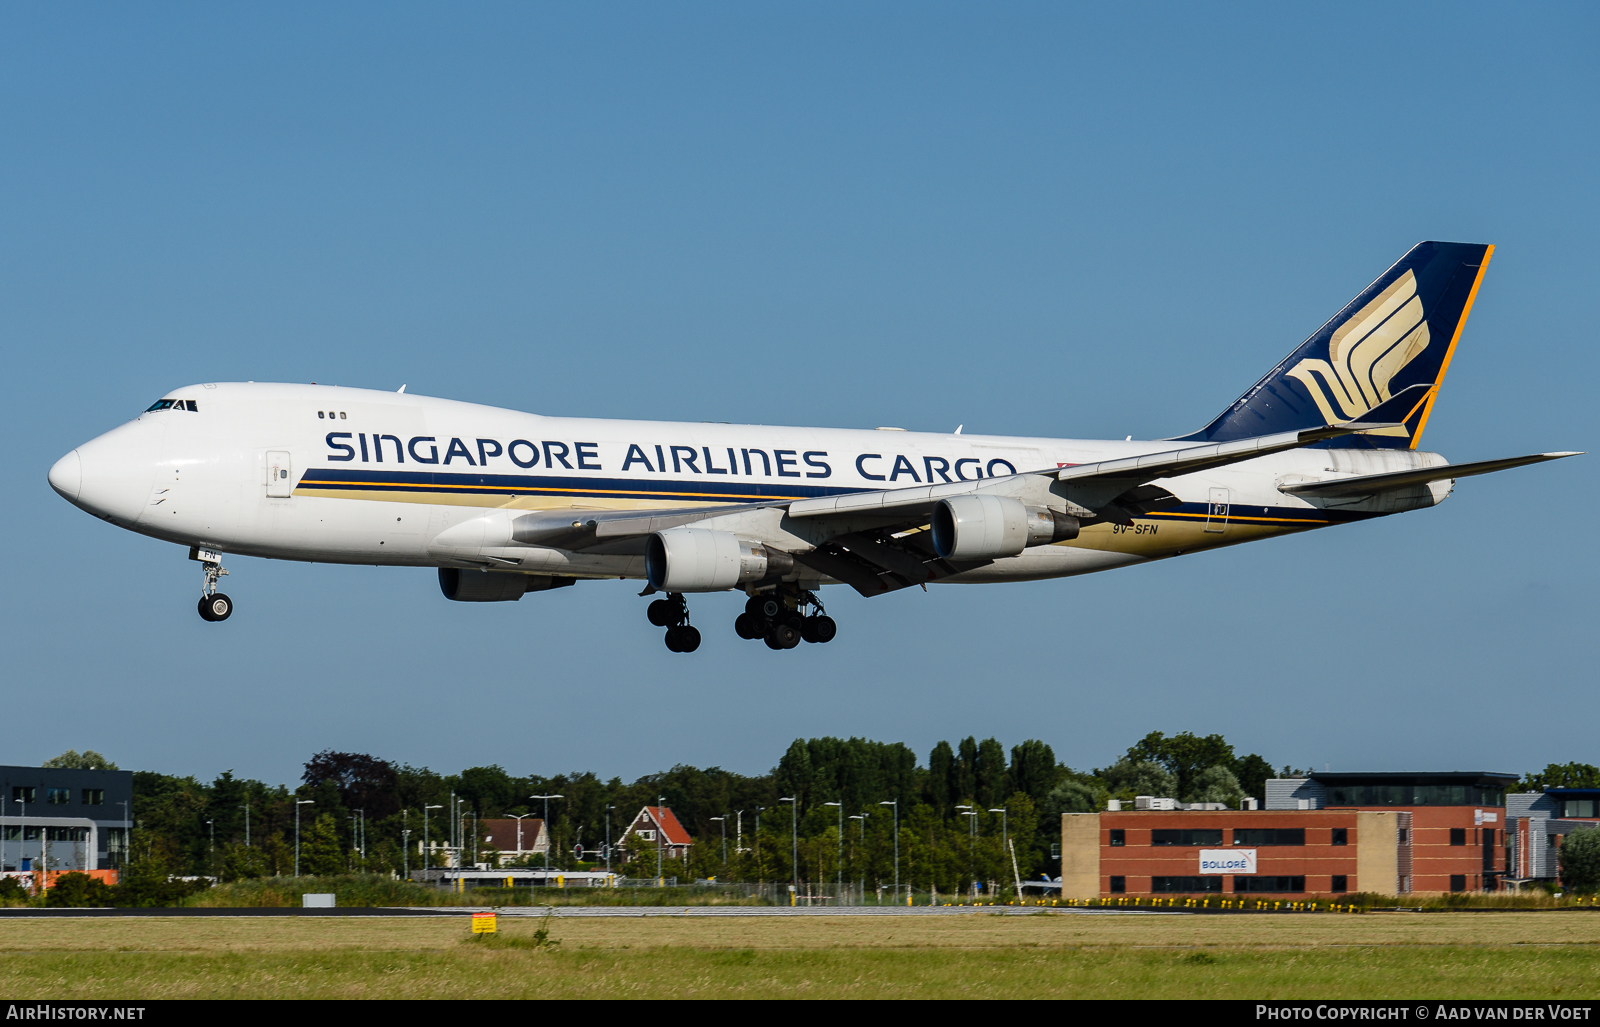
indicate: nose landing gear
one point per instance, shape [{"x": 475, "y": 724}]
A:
[
  {"x": 672, "y": 613},
  {"x": 214, "y": 605},
  {"x": 777, "y": 619}
]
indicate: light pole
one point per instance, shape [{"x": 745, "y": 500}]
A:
[
  {"x": 862, "y": 843},
  {"x": 972, "y": 839},
  {"x": 362, "y": 843},
  {"x": 127, "y": 836},
  {"x": 213, "y": 850},
  {"x": 548, "y": 834},
  {"x": 839, "y": 861},
  {"x": 723, "y": 820},
  {"x": 405, "y": 843},
  {"x": 1005, "y": 836},
  {"x": 661, "y": 836},
  {"x": 427, "y": 845},
  {"x": 896, "y": 804},
  {"x": 738, "y": 838},
  {"x": 297, "y": 805},
  {"x": 608, "y": 837},
  {"x": 22, "y": 832},
  {"x": 246, "y": 808},
  {"x": 794, "y": 828},
  {"x": 518, "y": 818}
]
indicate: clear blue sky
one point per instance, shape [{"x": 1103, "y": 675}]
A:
[{"x": 1042, "y": 219}]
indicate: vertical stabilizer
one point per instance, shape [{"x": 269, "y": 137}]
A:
[{"x": 1401, "y": 331}]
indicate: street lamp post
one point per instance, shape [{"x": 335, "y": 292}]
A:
[
  {"x": 861, "y": 842},
  {"x": 518, "y": 818},
  {"x": 972, "y": 839},
  {"x": 246, "y": 808},
  {"x": 794, "y": 828},
  {"x": 896, "y": 804},
  {"x": 361, "y": 843},
  {"x": 427, "y": 844},
  {"x": 297, "y": 805},
  {"x": 547, "y": 832},
  {"x": 839, "y": 861},
  {"x": 1005, "y": 835},
  {"x": 22, "y": 831},
  {"x": 608, "y": 837},
  {"x": 405, "y": 843},
  {"x": 661, "y": 837}
]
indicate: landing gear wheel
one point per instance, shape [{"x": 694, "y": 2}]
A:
[
  {"x": 819, "y": 629},
  {"x": 753, "y": 605},
  {"x": 683, "y": 639},
  {"x": 748, "y": 626},
  {"x": 663, "y": 612},
  {"x": 771, "y": 607},
  {"x": 216, "y": 607},
  {"x": 783, "y": 636}
]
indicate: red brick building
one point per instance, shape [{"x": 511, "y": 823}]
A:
[{"x": 1328, "y": 835}]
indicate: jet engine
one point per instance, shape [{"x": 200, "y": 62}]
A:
[
  {"x": 703, "y": 560},
  {"x": 984, "y": 527},
  {"x": 494, "y": 586}
]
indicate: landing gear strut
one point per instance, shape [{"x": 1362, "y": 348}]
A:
[
  {"x": 672, "y": 613},
  {"x": 779, "y": 619},
  {"x": 214, "y": 605}
]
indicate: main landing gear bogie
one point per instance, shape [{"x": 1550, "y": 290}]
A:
[
  {"x": 779, "y": 621},
  {"x": 672, "y": 613}
]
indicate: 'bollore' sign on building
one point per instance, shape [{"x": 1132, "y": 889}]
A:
[{"x": 1227, "y": 861}]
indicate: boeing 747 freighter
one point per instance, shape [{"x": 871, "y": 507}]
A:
[{"x": 504, "y": 503}]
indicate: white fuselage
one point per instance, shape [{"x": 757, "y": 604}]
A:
[{"x": 342, "y": 475}]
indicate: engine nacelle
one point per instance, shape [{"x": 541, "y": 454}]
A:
[
  {"x": 983, "y": 527},
  {"x": 494, "y": 586},
  {"x": 703, "y": 560}
]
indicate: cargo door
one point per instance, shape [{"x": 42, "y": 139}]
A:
[
  {"x": 1217, "y": 511},
  {"x": 280, "y": 475}
]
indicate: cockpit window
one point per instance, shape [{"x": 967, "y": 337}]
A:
[{"x": 173, "y": 404}]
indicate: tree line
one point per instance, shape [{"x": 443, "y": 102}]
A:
[{"x": 961, "y": 813}]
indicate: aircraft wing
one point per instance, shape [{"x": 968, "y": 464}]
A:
[
  {"x": 875, "y": 542},
  {"x": 1372, "y": 484},
  {"x": 1111, "y": 477}
]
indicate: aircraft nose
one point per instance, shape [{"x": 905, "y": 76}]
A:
[{"x": 66, "y": 477}]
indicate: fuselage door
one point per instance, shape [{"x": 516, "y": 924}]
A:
[
  {"x": 280, "y": 476},
  {"x": 1217, "y": 511}
]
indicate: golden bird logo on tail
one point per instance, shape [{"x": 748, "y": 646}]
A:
[{"x": 1365, "y": 353}]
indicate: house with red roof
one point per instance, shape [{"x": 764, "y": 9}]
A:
[{"x": 657, "y": 825}]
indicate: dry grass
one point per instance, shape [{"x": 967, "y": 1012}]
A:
[{"x": 1485, "y": 955}]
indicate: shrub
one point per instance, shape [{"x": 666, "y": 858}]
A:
[
  {"x": 79, "y": 890},
  {"x": 1579, "y": 857}
]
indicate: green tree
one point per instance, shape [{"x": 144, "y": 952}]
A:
[
  {"x": 320, "y": 851},
  {"x": 990, "y": 773},
  {"x": 1563, "y": 775},
  {"x": 1579, "y": 857},
  {"x": 1217, "y": 784},
  {"x": 941, "y": 771},
  {"x": 1034, "y": 770},
  {"x": 1128, "y": 778},
  {"x": 1252, "y": 773},
  {"x": 966, "y": 769},
  {"x": 88, "y": 759},
  {"x": 1073, "y": 796},
  {"x": 1184, "y": 755}
]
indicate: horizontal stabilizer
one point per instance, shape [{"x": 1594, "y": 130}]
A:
[{"x": 1372, "y": 484}]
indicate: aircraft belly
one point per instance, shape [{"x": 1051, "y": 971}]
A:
[{"x": 1057, "y": 561}]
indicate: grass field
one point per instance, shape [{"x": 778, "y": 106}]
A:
[{"x": 1399, "y": 955}]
